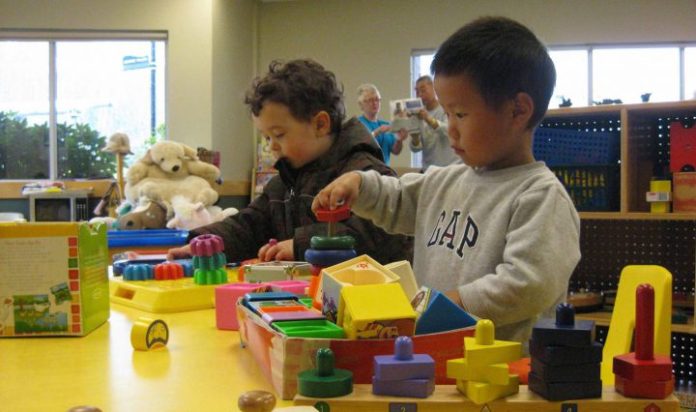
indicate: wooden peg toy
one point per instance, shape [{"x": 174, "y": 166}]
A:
[
  {"x": 325, "y": 381},
  {"x": 404, "y": 373},
  {"x": 643, "y": 374}
]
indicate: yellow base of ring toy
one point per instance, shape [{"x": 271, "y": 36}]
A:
[{"x": 149, "y": 334}]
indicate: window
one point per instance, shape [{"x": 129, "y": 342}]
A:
[
  {"x": 588, "y": 75},
  {"x": 63, "y": 94}
]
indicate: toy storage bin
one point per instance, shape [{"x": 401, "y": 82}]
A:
[
  {"x": 592, "y": 188},
  {"x": 565, "y": 147},
  {"x": 281, "y": 357}
]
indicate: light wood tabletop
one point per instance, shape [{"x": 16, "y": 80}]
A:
[{"x": 201, "y": 368}]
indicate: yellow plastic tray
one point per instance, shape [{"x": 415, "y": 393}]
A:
[{"x": 164, "y": 296}]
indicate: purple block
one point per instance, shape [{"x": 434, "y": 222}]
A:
[
  {"x": 388, "y": 368},
  {"x": 403, "y": 364},
  {"x": 411, "y": 388}
]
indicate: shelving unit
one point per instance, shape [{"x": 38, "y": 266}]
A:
[{"x": 625, "y": 232}]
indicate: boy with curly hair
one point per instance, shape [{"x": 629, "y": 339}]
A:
[{"x": 298, "y": 107}]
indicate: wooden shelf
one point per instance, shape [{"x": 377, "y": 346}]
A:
[
  {"x": 638, "y": 216},
  {"x": 603, "y": 319}
]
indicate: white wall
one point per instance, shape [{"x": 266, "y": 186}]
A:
[
  {"x": 371, "y": 41},
  {"x": 210, "y": 56}
]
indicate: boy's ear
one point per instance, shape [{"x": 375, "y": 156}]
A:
[
  {"x": 322, "y": 123},
  {"x": 523, "y": 108}
]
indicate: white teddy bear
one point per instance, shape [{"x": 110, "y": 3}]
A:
[
  {"x": 188, "y": 216},
  {"x": 169, "y": 169}
]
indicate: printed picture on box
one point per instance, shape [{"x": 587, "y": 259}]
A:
[
  {"x": 61, "y": 293},
  {"x": 5, "y": 312},
  {"x": 32, "y": 315}
]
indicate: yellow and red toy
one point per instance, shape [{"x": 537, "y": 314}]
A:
[{"x": 642, "y": 374}]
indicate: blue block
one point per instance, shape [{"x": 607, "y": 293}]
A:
[
  {"x": 412, "y": 388},
  {"x": 547, "y": 332},
  {"x": 566, "y": 355},
  {"x": 582, "y": 372},
  {"x": 442, "y": 315},
  {"x": 330, "y": 257},
  {"x": 566, "y": 390}
]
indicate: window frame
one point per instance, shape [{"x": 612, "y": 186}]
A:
[
  {"x": 590, "y": 48},
  {"x": 54, "y": 36}
]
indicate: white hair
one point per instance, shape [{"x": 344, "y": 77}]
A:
[{"x": 366, "y": 87}]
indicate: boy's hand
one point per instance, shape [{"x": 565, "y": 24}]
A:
[
  {"x": 454, "y": 297},
  {"x": 183, "y": 252},
  {"x": 277, "y": 251},
  {"x": 341, "y": 191}
]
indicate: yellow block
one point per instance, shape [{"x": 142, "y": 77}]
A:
[
  {"x": 662, "y": 186},
  {"x": 623, "y": 318},
  {"x": 482, "y": 392},
  {"x": 376, "y": 312},
  {"x": 483, "y": 350},
  {"x": 497, "y": 373}
]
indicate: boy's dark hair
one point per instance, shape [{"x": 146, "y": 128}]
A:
[
  {"x": 304, "y": 86},
  {"x": 503, "y": 58}
]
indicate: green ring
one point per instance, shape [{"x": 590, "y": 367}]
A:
[{"x": 332, "y": 242}]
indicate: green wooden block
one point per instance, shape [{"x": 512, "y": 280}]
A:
[
  {"x": 332, "y": 242},
  {"x": 325, "y": 381}
]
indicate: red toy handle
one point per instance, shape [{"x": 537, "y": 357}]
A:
[{"x": 645, "y": 321}]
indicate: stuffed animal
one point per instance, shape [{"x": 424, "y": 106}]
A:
[
  {"x": 169, "y": 169},
  {"x": 149, "y": 215},
  {"x": 188, "y": 216}
]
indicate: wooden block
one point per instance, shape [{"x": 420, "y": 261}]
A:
[
  {"x": 482, "y": 392},
  {"x": 325, "y": 381},
  {"x": 644, "y": 389},
  {"x": 582, "y": 372},
  {"x": 498, "y": 373},
  {"x": 547, "y": 333},
  {"x": 442, "y": 315},
  {"x": 566, "y": 355},
  {"x": 483, "y": 349},
  {"x": 412, "y": 388},
  {"x": 376, "y": 312},
  {"x": 403, "y": 364},
  {"x": 629, "y": 367},
  {"x": 559, "y": 391},
  {"x": 446, "y": 398}
]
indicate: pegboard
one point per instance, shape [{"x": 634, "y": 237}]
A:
[
  {"x": 596, "y": 122},
  {"x": 608, "y": 245}
]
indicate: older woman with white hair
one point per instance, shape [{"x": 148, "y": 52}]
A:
[{"x": 369, "y": 100}]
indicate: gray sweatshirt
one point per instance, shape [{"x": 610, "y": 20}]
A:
[{"x": 507, "y": 239}]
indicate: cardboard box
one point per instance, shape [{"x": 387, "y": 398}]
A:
[
  {"x": 53, "y": 279},
  {"x": 684, "y": 192},
  {"x": 281, "y": 358}
]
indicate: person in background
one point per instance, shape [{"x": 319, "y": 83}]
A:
[
  {"x": 499, "y": 234},
  {"x": 370, "y": 100},
  {"x": 298, "y": 107},
  {"x": 433, "y": 141}
]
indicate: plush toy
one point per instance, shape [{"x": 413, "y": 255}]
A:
[
  {"x": 188, "y": 216},
  {"x": 149, "y": 215},
  {"x": 169, "y": 169}
]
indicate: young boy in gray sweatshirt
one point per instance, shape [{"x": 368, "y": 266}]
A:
[{"x": 498, "y": 234}]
